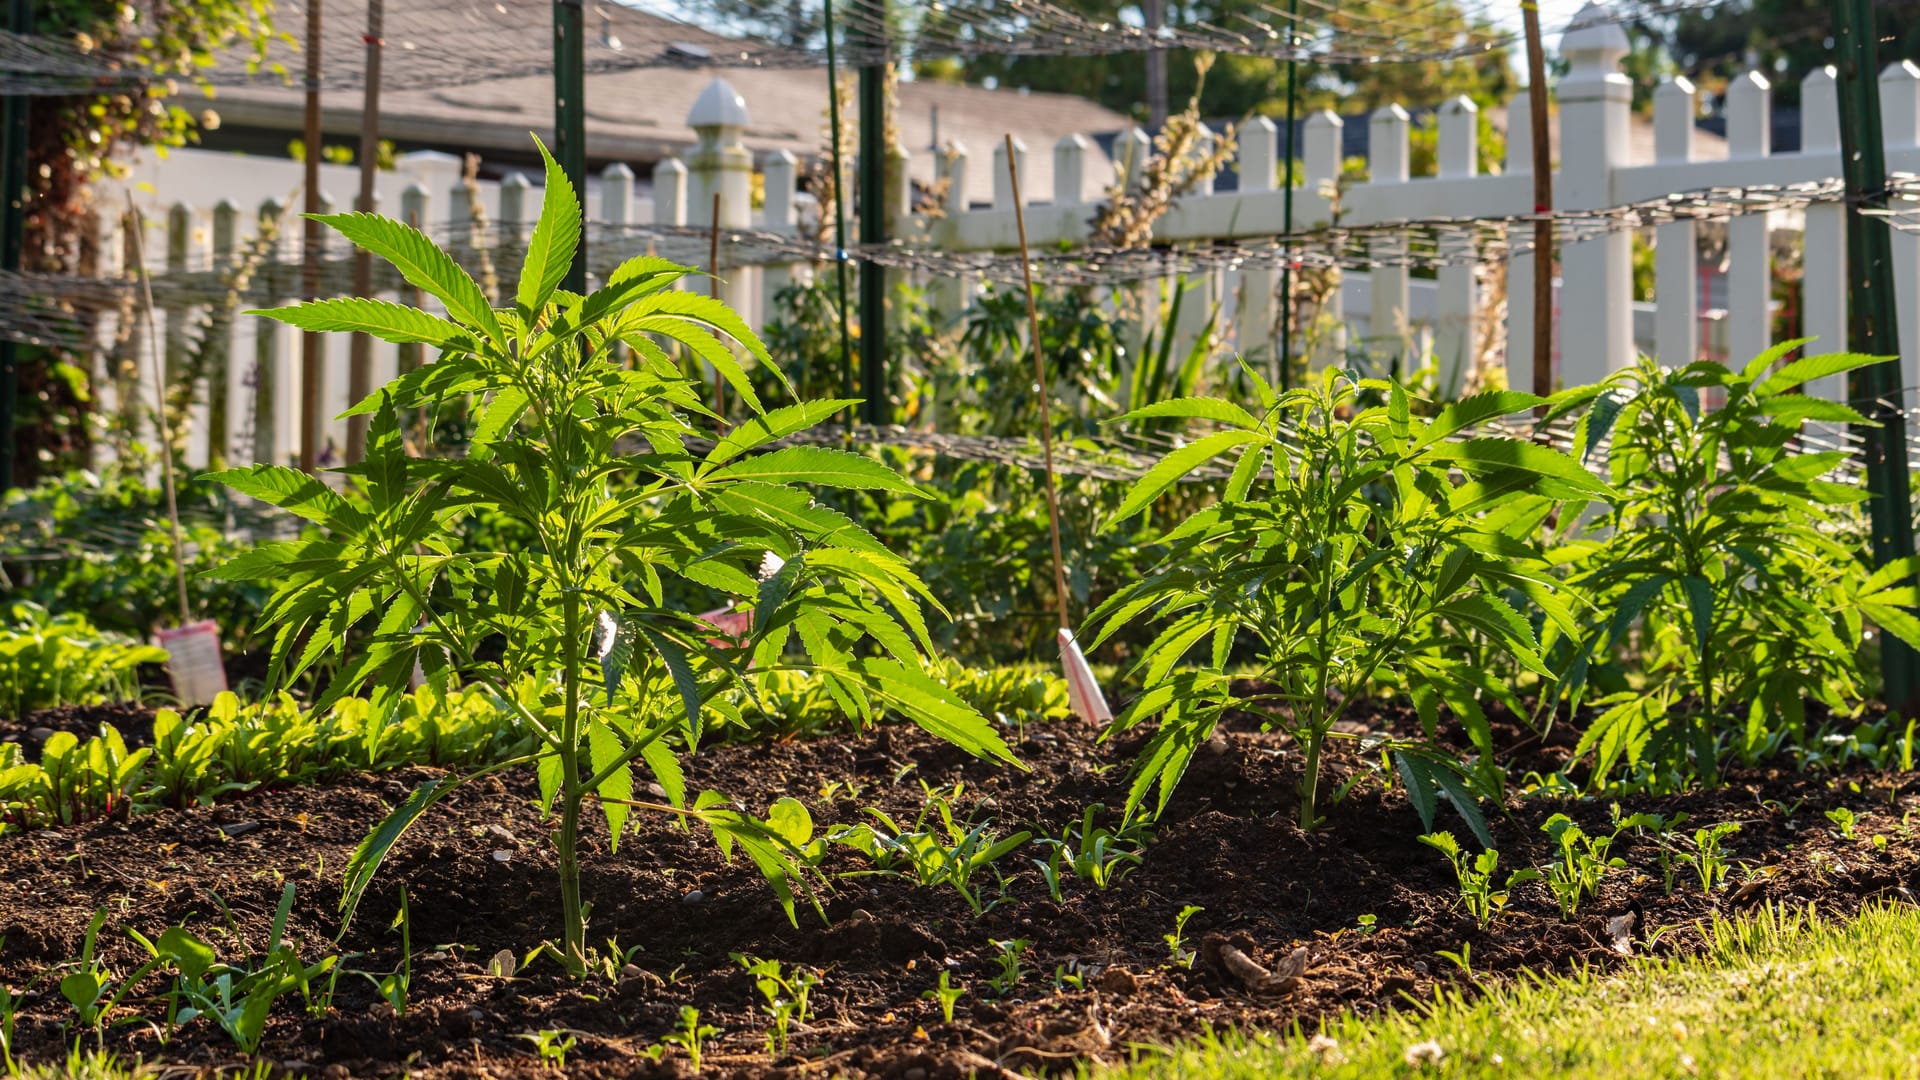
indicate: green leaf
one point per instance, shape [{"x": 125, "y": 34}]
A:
[
  {"x": 1468, "y": 411},
  {"x": 295, "y": 492},
  {"x": 817, "y": 465},
  {"x": 556, "y": 236},
  {"x": 1178, "y": 464},
  {"x": 1194, "y": 408},
  {"x": 1700, "y": 608},
  {"x": 1499, "y": 453},
  {"x": 278, "y": 559},
  {"x": 675, "y": 658},
  {"x": 372, "y": 851},
  {"x": 606, "y": 749},
  {"x": 933, "y": 707},
  {"x": 759, "y": 430},
  {"x": 424, "y": 265},
  {"x": 1809, "y": 368},
  {"x": 383, "y": 319}
]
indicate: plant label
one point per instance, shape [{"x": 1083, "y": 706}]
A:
[{"x": 193, "y": 661}]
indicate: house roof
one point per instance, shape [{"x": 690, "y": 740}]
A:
[{"x": 634, "y": 114}]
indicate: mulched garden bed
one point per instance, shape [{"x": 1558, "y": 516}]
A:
[{"x": 1373, "y": 906}]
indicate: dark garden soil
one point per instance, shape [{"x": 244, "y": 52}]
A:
[{"x": 1372, "y": 906}]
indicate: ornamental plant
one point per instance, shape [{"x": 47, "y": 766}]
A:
[
  {"x": 593, "y": 458},
  {"x": 1356, "y": 547},
  {"x": 1724, "y": 563}
]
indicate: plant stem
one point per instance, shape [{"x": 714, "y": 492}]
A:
[
  {"x": 573, "y": 921},
  {"x": 1310, "y": 783}
]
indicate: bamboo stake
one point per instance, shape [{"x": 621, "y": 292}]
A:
[
  {"x": 160, "y": 406},
  {"x": 713, "y": 282},
  {"x": 1040, "y": 375}
]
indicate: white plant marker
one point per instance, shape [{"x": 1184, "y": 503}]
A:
[{"x": 1082, "y": 691}]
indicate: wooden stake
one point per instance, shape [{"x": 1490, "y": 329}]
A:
[
  {"x": 160, "y": 405},
  {"x": 312, "y": 354},
  {"x": 713, "y": 269},
  {"x": 1040, "y": 376},
  {"x": 360, "y": 360},
  {"x": 1542, "y": 202}
]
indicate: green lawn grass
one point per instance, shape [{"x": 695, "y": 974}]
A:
[{"x": 1776, "y": 995}]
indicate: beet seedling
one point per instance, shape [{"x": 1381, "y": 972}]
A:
[
  {"x": 788, "y": 996},
  {"x": 1475, "y": 875},
  {"x": 1709, "y": 859},
  {"x": 691, "y": 1035},
  {"x": 1583, "y": 860},
  {"x": 947, "y": 994},
  {"x": 1176, "y": 941},
  {"x": 580, "y": 628}
]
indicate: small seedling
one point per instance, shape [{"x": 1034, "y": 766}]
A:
[
  {"x": 691, "y": 1034},
  {"x": 1176, "y": 941},
  {"x": 1843, "y": 820},
  {"x": 1009, "y": 960},
  {"x": 1462, "y": 959},
  {"x": 1475, "y": 875},
  {"x": 1708, "y": 858},
  {"x": 552, "y": 1046},
  {"x": 788, "y": 996},
  {"x": 10, "y": 1008},
  {"x": 1367, "y": 923},
  {"x": 947, "y": 994},
  {"x": 1582, "y": 861}
]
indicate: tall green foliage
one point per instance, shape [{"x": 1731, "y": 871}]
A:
[
  {"x": 1722, "y": 562},
  {"x": 1355, "y": 546},
  {"x": 591, "y": 458}
]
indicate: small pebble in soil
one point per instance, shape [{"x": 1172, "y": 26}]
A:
[
  {"x": 502, "y": 856},
  {"x": 240, "y": 828},
  {"x": 335, "y": 1071},
  {"x": 39, "y": 735},
  {"x": 499, "y": 832},
  {"x": 693, "y": 897},
  {"x": 1117, "y": 980}
]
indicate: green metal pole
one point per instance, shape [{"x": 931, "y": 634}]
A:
[
  {"x": 570, "y": 115},
  {"x": 1286, "y": 207},
  {"x": 872, "y": 191},
  {"x": 13, "y": 224},
  {"x": 1871, "y": 323},
  {"x": 839, "y": 215}
]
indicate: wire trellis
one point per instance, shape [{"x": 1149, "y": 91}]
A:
[
  {"x": 57, "y": 310},
  {"x": 438, "y": 44}
]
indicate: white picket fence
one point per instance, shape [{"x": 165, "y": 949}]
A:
[{"x": 1384, "y": 312}]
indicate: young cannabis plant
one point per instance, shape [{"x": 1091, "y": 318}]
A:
[
  {"x": 1355, "y": 547},
  {"x": 1720, "y": 563},
  {"x": 585, "y": 631}
]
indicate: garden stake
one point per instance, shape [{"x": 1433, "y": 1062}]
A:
[
  {"x": 1082, "y": 690},
  {"x": 160, "y": 404},
  {"x": 713, "y": 290},
  {"x": 839, "y": 218},
  {"x": 193, "y": 648}
]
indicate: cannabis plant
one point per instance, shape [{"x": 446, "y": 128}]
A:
[
  {"x": 1357, "y": 548},
  {"x": 586, "y": 632},
  {"x": 1723, "y": 563}
]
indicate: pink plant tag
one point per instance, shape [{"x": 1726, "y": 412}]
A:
[
  {"x": 193, "y": 661},
  {"x": 736, "y": 625}
]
